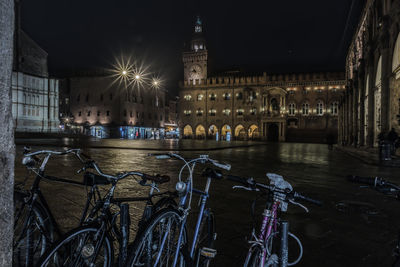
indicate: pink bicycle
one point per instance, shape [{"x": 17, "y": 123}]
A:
[{"x": 270, "y": 247}]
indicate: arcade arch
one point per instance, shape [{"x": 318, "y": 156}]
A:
[
  {"x": 187, "y": 131},
  {"x": 200, "y": 131}
]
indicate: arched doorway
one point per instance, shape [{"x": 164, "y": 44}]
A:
[
  {"x": 212, "y": 131},
  {"x": 240, "y": 132},
  {"x": 254, "y": 133},
  {"x": 226, "y": 132},
  {"x": 200, "y": 132},
  {"x": 273, "y": 132},
  {"x": 187, "y": 131}
]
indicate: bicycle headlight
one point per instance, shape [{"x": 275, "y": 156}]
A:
[{"x": 180, "y": 187}]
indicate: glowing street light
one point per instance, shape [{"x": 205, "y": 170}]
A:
[
  {"x": 137, "y": 76},
  {"x": 124, "y": 72}
]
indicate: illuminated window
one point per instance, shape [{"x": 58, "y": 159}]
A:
[
  {"x": 305, "y": 109},
  {"x": 200, "y": 97},
  {"x": 213, "y": 96},
  {"x": 187, "y": 112},
  {"x": 240, "y": 112},
  {"x": 212, "y": 112},
  {"x": 187, "y": 97},
  {"x": 253, "y": 111},
  {"x": 226, "y": 112},
  {"x": 239, "y": 96},
  {"x": 334, "y": 108},
  {"x": 227, "y": 96},
  {"x": 320, "y": 108},
  {"x": 199, "y": 112},
  {"x": 292, "y": 109}
]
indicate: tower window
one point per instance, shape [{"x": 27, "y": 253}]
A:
[
  {"x": 199, "y": 112},
  {"x": 213, "y": 96},
  {"x": 212, "y": 112},
  {"x": 200, "y": 97}
]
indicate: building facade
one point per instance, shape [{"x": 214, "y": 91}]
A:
[
  {"x": 101, "y": 107},
  {"x": 371, "y": 102},
  {"x": 34, "y": 93},
  {"x": 287, "y": 107}
]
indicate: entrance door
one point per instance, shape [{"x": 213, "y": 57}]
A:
[{"x": 273, "y": 132}]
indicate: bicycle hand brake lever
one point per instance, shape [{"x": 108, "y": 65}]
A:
[{"x": 245, "y": 188}]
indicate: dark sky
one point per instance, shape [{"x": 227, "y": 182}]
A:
[{"x": 271, "y": 35}]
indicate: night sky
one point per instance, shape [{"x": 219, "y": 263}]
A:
[{"x": 275, "y": 36}]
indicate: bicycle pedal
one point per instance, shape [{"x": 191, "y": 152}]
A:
[{"x": 208, "y": 252}]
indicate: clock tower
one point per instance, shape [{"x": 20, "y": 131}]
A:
[{"x": 195, "y": 60}]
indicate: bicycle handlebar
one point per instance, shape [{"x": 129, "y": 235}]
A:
[
  {"x": 252, "y": 185},
  {"x": 376, "y": 182},
  {"x": 205, "y": 158}
]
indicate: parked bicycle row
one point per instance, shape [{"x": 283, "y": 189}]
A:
[{"x": 164, "y": 236}]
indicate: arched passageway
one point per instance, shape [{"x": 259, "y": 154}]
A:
[
  {"x": 226, "y": 132},
  {"x": 212, "y": 131},
  {"x": 240, "y": 132},
  {"x": 254, "y": 132},
  {"x": 187, "y": 131},
  {"x": 200, "y": 132}
]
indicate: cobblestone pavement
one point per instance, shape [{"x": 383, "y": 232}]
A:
[{"x": 354, "y": 227}]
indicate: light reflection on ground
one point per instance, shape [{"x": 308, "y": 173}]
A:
[{"x": 332, "y": 236}]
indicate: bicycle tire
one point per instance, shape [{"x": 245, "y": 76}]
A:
[
  {"x": 61, "y": 251},
  {"x": 206, "y": 237},
  {"x": 138, "y": 254},
  {"x": 33, "y": 233},
  {"x": 164, "y": 202}
]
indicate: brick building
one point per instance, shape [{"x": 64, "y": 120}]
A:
[
  {"x": 233, "y": 105},
  {"x": 101, "y": 107},
  {"x": 371, "y": 102}
]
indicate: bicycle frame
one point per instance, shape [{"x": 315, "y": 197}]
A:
[
  {"x": 269, "y": 222},
  {"x": 203, "y": 198}
]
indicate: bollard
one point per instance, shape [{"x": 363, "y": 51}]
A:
[{"x": 283, "y": 257}]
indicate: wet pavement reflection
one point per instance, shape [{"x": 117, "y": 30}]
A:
[{"x": 354, "y": 227}]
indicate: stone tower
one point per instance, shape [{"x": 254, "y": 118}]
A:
[{"x": 195, "y": 60}]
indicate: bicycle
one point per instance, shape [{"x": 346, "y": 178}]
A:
[
  {"x": 263, "y": 250},
  {"x": 164, "y": 241},
  {"x": 92, "y": 243},
  {"x": 387, "y": 188},
  {"x": 35, "y": 227}
]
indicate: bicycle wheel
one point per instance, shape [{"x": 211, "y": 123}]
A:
[
  {"x": 206, "y": 237},
  {"x": 83, "y": 246},
  {"x": 156, "y": 245},
  {"x": 33, "y": 231}
]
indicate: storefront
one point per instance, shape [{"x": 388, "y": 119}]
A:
[
  {"x": 99, "y": 132},
  {"x": 130, "y": 132}
]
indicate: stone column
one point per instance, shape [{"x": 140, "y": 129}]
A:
[
  {"x": 385, "y": 93},
  {"x": 361, "y": 96},
  {"x": 355, "y": 110},
  {"x": 7, "y": 147},
  {"x": 371, "y": 105}
]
